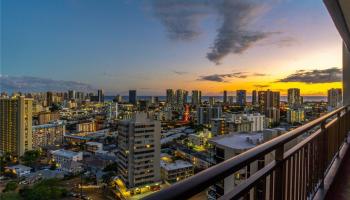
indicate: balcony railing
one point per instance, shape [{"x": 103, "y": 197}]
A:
[{"x": 296, "y": 173}]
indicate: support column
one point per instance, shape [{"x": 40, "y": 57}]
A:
[{"x": 346, "y": 75}]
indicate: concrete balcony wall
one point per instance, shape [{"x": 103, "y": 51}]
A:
[{"x": 346, "y": 75}]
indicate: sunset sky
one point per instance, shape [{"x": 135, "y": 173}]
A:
[{"x": 151, "y": 45}]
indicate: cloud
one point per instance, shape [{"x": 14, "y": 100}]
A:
[
  {"x": 259, "y": 74},
  {"x": 224, "y": 77},
  {"x": 35, "y": 84},
  {"x": 261, "y": 86},
  {"x": 181, "y": 19},
  {"x": 315, "y": 76},
  {"x": 180, "y": 72}
]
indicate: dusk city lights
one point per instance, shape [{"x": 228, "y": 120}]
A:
[{"x": 175, "y": 99}]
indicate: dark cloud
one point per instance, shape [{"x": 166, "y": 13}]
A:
[
  {"x": 315, "y": 76},
  {"x": 181, "y": 19},
  {"x": 35, "y": 84},
  {"x": 180, "y": 72},
  {"x": 223, "y": 77},
  {"x": 259, "y": 74},
  {"x": 261, "y": 86}
]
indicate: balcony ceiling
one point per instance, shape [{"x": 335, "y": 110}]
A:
[{"x": 340, "y": 12}]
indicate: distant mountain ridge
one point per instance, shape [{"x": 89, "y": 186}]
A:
[{"x": 36, "y": 84}]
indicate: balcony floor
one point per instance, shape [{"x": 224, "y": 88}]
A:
[{"x": 340, "y": 188}]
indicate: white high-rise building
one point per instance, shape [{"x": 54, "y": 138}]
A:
[
  {"x": 258, "y": 121},
  {"x": 138, "y": 154}
]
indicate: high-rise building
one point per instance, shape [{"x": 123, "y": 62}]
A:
[
  {"x": 295, "y": 115},
  {"x": 16, "y": 124},
  {"x": 230, "y": 100},
  {"x": 181, "y": 98},
  {"x": 269, "y": 102},
  {"x": 225, "y": 97},
  {"x": 49, "y": 98},
  {"x": 241, "y": 97},
  {"x": 80, "y": 96},
  {"x": 100, "y": 96},
  {"x": 294, "y": 98},
  {"x": 211, "y": 101},
  {"x": 335, "y": 97},
  {"x": 138, "y": 154},
  {"x": 196, "y": 97},
  {"x": 254, "y": 98},
  {"x": 218, "y": 126},
  {"x": 132, "y": 97},
  {"x": 118, "y": 99},
  {"x": 71, "y": 94},
  {"x": 206, "y": 114},
  {"x": 170, "y": 97}
]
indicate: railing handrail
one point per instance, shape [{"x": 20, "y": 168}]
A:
[{"x": 199, "y": 182}]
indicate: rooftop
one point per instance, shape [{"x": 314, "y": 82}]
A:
[
  {"x": 177, "y": 164},
  {"x": 241, "y": 141},
  {"x": 65, "y": 153},
  {"x": 94, "y": 143},
  {"x": 19, "y": 167},
  {"x": 50, "y": 125}
]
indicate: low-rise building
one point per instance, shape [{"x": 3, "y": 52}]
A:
[
  {"x": 226, "y": 147},
  {"x": 18, "y": 170},
  {"x": 172, "y": 172},
  {"x": 86, "y": 126},
  {"x": 46, "y": 135},
  {"x": 47, "y": 117},
  {"x": 67, "y": 161},
  {"x": 94, "y": 146},
  {"x": 295, "y": 115}
]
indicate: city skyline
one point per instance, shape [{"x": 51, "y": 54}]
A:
[{"x": 92, "y": 45}]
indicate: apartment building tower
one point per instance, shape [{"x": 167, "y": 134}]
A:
[
  {"x": 15, "y": 124},
  {"x": 138, "y": 153}
]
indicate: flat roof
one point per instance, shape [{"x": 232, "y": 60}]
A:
[
  {"x": 94, "y": 143},
  {"x": 177, "y": 164},
  {"x": 50, "y": 125},
  {"x": 239, "y": 141},
  {"x": 65, "y": 153},
  {"x": 19, "y": 167}
]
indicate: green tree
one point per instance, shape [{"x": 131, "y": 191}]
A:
[
  {"x": 30, "y": 158},
  {"x": 111, "y": 167},
  {"x": 55, "y": 107},
  {"x": 44, "y": 190},
  {"x": 10, "y": 196},
  {"x": 111, "y": 171},
  {"x": 10, "y": 186},
  {"x": 5, "y": 160}
]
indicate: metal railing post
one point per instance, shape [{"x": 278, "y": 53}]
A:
[
  {"x": 346, "y": 125},
  {"x": 323, "y": 144},
  {"x": 279, "y": 175}
]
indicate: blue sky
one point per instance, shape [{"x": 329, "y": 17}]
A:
[{"x": 120, "y": 44}]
